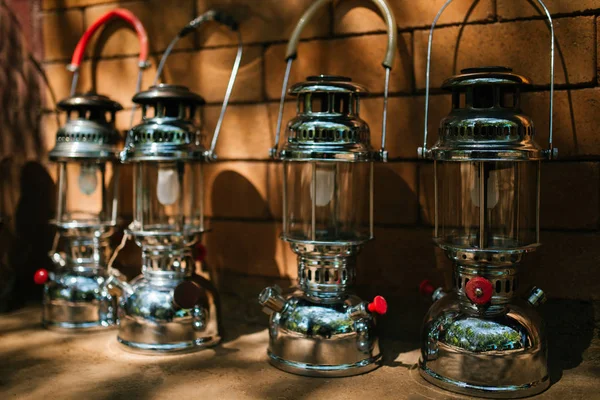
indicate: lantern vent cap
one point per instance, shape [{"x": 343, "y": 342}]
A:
[
  {"x": 170, "y": 131},
  {"x": 485, "y": 76},
  {"x": 91, "y": 101},
  {"x": 167, "y": 93},
  {"x": 328, "y": 83},
  {"x": 89, "y": 133},
  {"x": 486, "y": 122},
  {"x": 328, "y": 126}
]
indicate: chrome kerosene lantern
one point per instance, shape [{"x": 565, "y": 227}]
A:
[
  {"x": 169, "y": 308},
  {"x": 86, "y": 154},
  {"x": 481, "y": 339},
  {"x": 320, "y": 328}
]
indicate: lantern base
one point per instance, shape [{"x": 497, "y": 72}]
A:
[
  {"x": 491, "y": 392},
  {"x": 501, "y": 356},
  {"x": 78, "y": 300},
  {"x": 179, "y": 348},
  {"x": 326, "y": 337},
  {"x": 327, "y": 371},
  {"x": 151, "y": 322}
]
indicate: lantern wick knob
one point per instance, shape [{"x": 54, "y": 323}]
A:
[
  {"x": 41, "y": 276},
  {"x": 378, "y": 306},
  {"x": 200, "y": 252},
  {"x": 479, "y": 290},
  {"x": 426, "y": 288}
]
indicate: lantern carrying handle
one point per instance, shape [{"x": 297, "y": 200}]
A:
[
  {"x": 126, "y": 16},
  {"x": 217, "y": 16},
  {"x": 388, "y": 62},
  {"x": 132, "y": 20},
  {"x": 551, "y": 152}
]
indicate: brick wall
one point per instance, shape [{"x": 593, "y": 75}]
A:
[{"x": 243, "y": 197}]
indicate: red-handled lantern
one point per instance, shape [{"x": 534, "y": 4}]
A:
[{"x": 86, "y": 155}]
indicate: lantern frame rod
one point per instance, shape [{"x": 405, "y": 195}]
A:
[
  {"x": 313, "y": 229},
  {"x": 551, "y": 152},
  {"x": 217, "y": 16},
  {"x": 482, "y": 205},
  {"x": 388, "y": 62}
]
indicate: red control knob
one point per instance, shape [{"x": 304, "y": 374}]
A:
[
  {"x": 426, "y": 288},
  {"x": 479, "y": 290},
  {"x": 200, "y": 252},
  {"x": 41, "y": 276},
  {"x": 378, "y": 305}
]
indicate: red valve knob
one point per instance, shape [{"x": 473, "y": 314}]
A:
[
  {"x": 426, "y": 288},
  {"x": 200, "y": 252},
  {"x": 479, "y": 290},
  {"x": 41, "y": 276},
  {"x": 378, "y": 305}
]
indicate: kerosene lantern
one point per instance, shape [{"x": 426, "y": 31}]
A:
[
  {"x": 320, "y": 328},
  {"x": 86, "y": 154},
  {"x": 480, "y": 339},
  {"x": 169, "y": 308}
]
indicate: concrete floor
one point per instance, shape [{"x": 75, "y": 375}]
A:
[{"x": 37, "y": 364}]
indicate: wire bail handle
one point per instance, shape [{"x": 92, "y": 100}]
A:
[
  {"x": 551, "y": 152},
  {"x": 217, "y": 16},
  {"x": 126, "y": 16},
  {"x": 388, "y": 61}
]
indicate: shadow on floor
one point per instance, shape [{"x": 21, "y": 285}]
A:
[{"x": 570, "y": 327}]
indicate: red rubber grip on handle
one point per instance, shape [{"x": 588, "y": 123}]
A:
[{"x": 125, "y": 15}]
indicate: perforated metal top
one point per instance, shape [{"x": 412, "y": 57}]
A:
[
  {"x": 486, "y": 121},
  {"x": 170, "y": 128},
  {"x": 327, "y": 126},
  {"x": 89, "y": 132}
]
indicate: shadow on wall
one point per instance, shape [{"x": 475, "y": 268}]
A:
[
  {"x": 35, "y": 235},
  {"x": 237, "y": 248},
  {"x": 8, "y": 273},
  {"x": 258, "y": 21},
  {"x": 27, "y": 189},
  {"x": 395, "y": 262},
  {"x": 407, "y": 71},
  {"x": 104, "y": 35}
]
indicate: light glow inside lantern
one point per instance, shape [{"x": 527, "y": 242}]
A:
[
  {"x": 340, "y": 194},
  {"x": 506, "y": 218},
  {"x": 87, "y": 192},
  {"x": 169, "y": 197}
]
